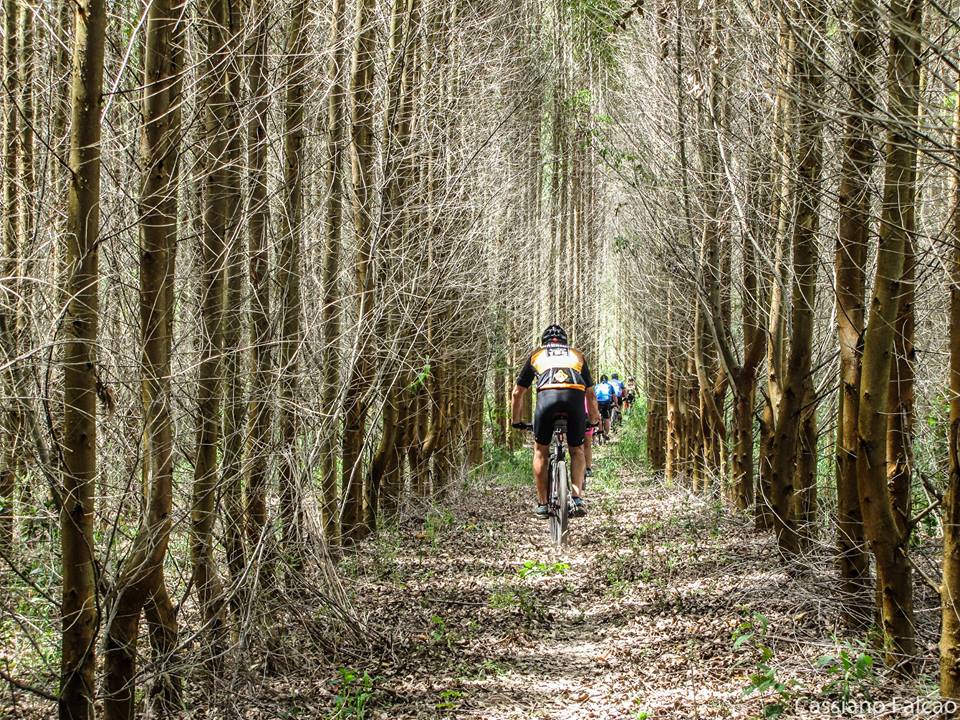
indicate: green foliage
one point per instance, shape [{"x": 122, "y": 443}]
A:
[
  {"x": 580, "y": 101},
  {"x": 449, "y": 700},
  {"x": 353, "y": 692},
  {"x": 435, "y": 523},
  {"x": 851, "y": 671},
  {"x": 592, "y": 27},
  {"x": 630, "y": 452},
  {"x": 510, "y": 468},
  {"x": 536, "y": 568},
  {"x": 523, "y": 600},
  {"x": 750, "y": 637},
  {"x": 422, "y": 376},
  {"x": 440, "y": 633}
]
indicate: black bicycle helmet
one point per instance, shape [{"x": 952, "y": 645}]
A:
[
  {"x": 554, "y": 333},
  {"x": 603, "y": 378},
  {"x": 615, "y": 376}
]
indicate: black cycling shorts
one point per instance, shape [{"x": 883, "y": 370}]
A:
[
  {"x": 605, "y": 409},
  {"x": 551, "y": 403}
]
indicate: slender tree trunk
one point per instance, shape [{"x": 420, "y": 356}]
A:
[
  {"x": 363, "y": 158},
  {"x": 81, "y": 254},
  {"x": 901, "y": 400},
  {"x": 10, "y": 272},
  {"x": 234, "y": 402},
  {"x": 336, "y": 148},
  {"x": 782, "y": 213},
  {"x": 808, "y": 84},
  {"x": 291, "y": 231},
  {"x": 260, "y": 413},
  {"x": 950, "y": 588},
  {"x": 850, "y": 262},
  {"x": 883, "y": 529},
  {"x": 216, "y": 204},
  {"x": 140, "y": 583}
]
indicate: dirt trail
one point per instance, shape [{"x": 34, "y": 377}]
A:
[{"x": 633, "y": 620}]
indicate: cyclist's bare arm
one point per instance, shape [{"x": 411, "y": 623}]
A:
[
  {"x": 593, "y": 410},
  {"x": 516, "y": 401}
]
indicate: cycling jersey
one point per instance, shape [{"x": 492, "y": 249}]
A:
[
  {"x": 617, "y": 387},
  {"x": 604, "y": 392},
  {"x": 556, "y": 367}
]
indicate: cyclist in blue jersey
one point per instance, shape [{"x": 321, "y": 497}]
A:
[
  {"x": 617, "y": 387},
  {"x": 606, "y": 396}
]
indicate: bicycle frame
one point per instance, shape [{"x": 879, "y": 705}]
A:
[{"x": 560, "y": 490}]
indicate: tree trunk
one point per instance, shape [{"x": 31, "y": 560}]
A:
[
  {"x": 888, "y": 541},
  {"x": 260, "y": 411},
  {"x": 288, "y": 280},
  {"x": 808, "y": 84},
  {"x": 782, "y": 212},
  {"x": 336, "y": 136},
  {"x": 234, "y": 404},
  {"x": 140, "y": 581},
  {"x": 79, "y": 609},
  {"x": 10, "y": 268},
  {"x": 950, "y": 588},
  {"x": 363, "y": 160},
  {"x": 901, "y": 400},
  {"x": 850, "y": 262},
  {"x": 212, "y": 255}
]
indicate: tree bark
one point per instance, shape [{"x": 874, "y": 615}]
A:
[
  {"x": 850, "y": 262},
  {"x": 888, "y": 541},
  {"x": 808, "y": 84},
  {"x": 234, "y": 402},
  {"x": 336, "y": 147},
  {"x": 140, "y": 582},
  {"x": 81, "y": 255},
  {"x": 10, "y": 271},
  {"x": 950, "y": 588},
  {"x": 213, "y": 255},
  {"x": 291, "y": 231},
  {"x": 363, "y": 159},
  {"x": 260, "y": 411}
]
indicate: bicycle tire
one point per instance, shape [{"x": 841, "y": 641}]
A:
[{"x": 561, "y": 499}]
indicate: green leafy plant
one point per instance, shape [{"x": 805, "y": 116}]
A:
[
  {"x": 440, "y": 633},
  {"x": 503, "y": 599},
  {"x": 435, "y": 523},
  {"x": 536, "y": 568},
  {"x": 449, "y": 700},
  {"x": 851, "y": 671},
  {"x": 750, "y": 637},
  {"x": 353, "y": 693}
]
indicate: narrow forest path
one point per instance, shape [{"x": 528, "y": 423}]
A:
[{"x": 481, "y": 617}]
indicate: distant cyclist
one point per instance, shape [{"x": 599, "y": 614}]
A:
[
  {"x": 563, "y": 381},
  {"x": 629, "y": 394},
  {"x": 606, "y": 396},
  {"x": 617, "y": 414}
]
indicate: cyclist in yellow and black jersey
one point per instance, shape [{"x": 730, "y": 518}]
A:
[{"x": 563, "y": 381}]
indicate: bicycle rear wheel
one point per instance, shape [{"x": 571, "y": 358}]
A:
[{"x": 559, "y": 497}]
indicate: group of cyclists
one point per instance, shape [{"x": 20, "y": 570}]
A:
[
  {"x": 614, "y": 398},
  {"x": 565, "y": 388}
]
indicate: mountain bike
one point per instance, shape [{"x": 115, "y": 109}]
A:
[
  {"x": 560, "y": 490},
  {"x": 616, "y": 418}
]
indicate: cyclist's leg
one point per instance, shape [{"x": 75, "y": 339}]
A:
[
  {"x": 576, "y": 427},
  {"x": 543, "y": 432},
  {"x": 541, "y": 470}
]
